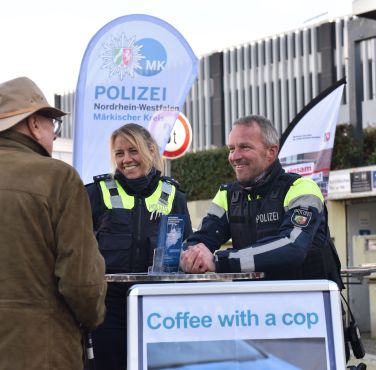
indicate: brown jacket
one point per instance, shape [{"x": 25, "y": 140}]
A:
[{"x": 51, "y": 272}]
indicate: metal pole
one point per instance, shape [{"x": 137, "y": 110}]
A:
[{"x": 167, "y": 167}]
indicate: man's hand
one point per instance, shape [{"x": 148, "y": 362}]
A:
[{"x": 197, "y": 259}]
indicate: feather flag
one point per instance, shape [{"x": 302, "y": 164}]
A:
[
  {"x": 306, "y": 146},
  {"x": 136, "y": 69}
]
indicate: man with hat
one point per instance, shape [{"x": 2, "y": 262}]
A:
[{"x": 52, "y": 284}]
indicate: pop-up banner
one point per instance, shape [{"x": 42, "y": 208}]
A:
[{"x": 136, "y": 69}]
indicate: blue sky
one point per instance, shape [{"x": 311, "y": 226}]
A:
[{"x": 45, "y": 40}]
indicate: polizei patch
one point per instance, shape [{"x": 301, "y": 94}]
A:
[{"x": 301, "y": 217}]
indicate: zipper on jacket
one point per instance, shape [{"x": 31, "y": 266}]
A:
[{"x": 138, "y": 236}]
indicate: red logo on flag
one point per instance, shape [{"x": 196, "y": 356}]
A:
[
  {"x": 326, "y": 136},
  {"x": 127, "y": 56}
]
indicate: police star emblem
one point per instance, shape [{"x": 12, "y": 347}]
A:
[{"x": 122, "y": 56}]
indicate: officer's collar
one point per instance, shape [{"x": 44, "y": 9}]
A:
[
  {"x": 251, "y": 184},
  {"x": 264, "y": 179},
  {"x": 143, "y": 186}
]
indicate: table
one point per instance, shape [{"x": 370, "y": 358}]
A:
[
  {"x": 145, "y": 277},
  {"x": 358, "y": 271}
]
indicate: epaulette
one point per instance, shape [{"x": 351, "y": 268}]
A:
[
  {"x": 224, "y": 186},
  {"x": 170, "y": 180},
  {"x": 106, "y": 176},
  {"x": 290, "y": 175}
]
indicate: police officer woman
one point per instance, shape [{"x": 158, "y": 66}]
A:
[{"x": 126, "y": 209}]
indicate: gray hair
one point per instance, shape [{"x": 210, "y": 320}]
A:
[{"x": 269, "y": 134}]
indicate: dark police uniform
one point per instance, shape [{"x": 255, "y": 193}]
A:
[
  {"x": 279, "y": 226},
  {"x": 126, "y": 224}
]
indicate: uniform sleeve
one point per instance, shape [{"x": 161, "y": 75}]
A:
[
  {"x": 304, "y": 212},
  {"x": 79, "y": 267},
  {"x": 214, "y": 229}
]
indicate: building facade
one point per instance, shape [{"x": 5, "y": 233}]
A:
[{"x": 276, "y": 77}]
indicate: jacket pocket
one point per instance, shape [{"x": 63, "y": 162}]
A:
[
  {"x": 119, "y": 221},
  {"x": 116, "y": 250}
]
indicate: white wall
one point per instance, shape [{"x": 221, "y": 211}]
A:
[{"x": 63, "y": 149}]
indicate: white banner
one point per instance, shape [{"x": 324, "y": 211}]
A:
[{"x": 307, "y": 144}]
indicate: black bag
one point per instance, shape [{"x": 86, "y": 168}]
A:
[{"x": 352, "y": 335}]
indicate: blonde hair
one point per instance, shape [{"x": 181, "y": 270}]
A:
[{"x": 142, "y": 140}]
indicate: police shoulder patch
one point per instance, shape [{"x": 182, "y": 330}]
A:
[{"x": 301, "y": 217}]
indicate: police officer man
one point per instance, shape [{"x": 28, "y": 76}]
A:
[{"x": 277, "y": 221}]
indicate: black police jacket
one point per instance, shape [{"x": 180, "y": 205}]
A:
[
  {"x": 127, "y": 237},
  {"x": 279, "y": 227}
]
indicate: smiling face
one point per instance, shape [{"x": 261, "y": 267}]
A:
[
  {"x": 248, "y": 155},
  {"x": 128, "y": 159}
]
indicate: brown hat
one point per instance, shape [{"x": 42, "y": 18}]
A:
[{"x": 19, "y": 99}]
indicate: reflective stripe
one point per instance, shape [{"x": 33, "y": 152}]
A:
[
  {"x": 246, "y": 260},
  {"x": 115, "y": 199},
  {"x": 162, "y": 199},
  {"x": 306, "y": 201},
  {"x": 166, "y": 189},
  {"x": 119, "y": 200},
  {"x": 216, "y": 210},
  {"x": 302, "y": 187},
  {"x": 220, "y": 199},
  {"x": 246, "y": 255}
]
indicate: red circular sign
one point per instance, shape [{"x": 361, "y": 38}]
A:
[{"x": 180, "y": 138}]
